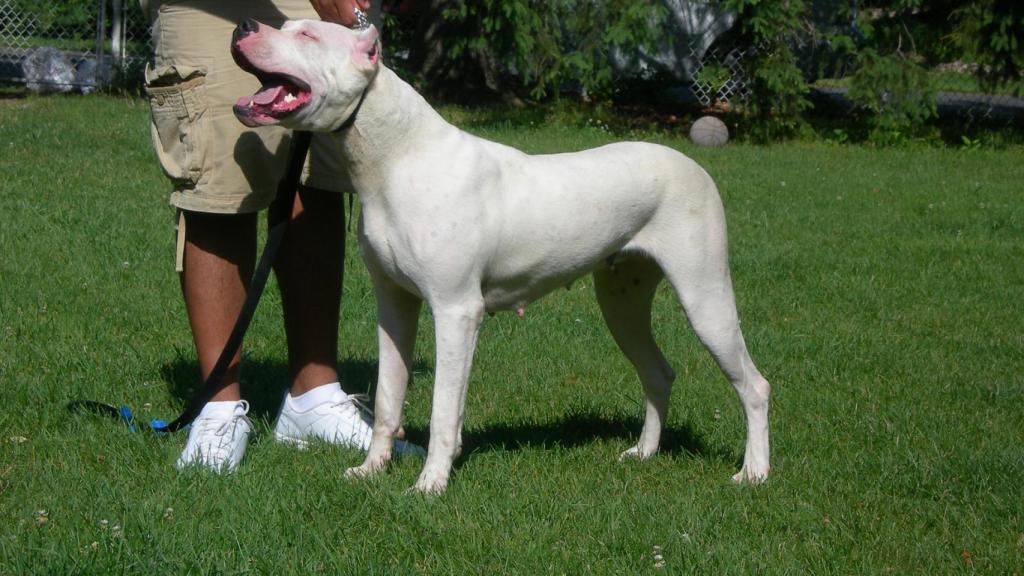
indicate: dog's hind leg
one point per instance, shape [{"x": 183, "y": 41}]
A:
[
  {"x": 697, "y": 266},
  {"x": 625, "y": 292}
]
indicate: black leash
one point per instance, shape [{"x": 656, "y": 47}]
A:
[{"x": 278, "y": 217}]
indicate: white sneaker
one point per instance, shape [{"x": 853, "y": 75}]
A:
[
  {"x": 218, "y": 437},
  {"x": 344, "y": 420}
]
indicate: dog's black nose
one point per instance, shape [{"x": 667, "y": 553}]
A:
[{"x": 244, "y": 28}]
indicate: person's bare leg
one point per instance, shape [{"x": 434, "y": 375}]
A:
[
  {"x": 309, "y": 274},
  {"x": 220, "y": 254}
]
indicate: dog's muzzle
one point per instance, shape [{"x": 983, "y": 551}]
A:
[{"x": 244, "y": 28}]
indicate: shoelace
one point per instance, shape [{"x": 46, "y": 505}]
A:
[
  {"x": 360, "y": 403},
  {"x": 220, "y": 429}
]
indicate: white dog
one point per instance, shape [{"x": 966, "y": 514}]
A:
[{"x": 474, "y": 227}]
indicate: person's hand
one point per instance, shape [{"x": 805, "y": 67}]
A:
[{"x": 339, "y": 11}]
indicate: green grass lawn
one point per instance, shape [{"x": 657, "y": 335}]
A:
[{"x": 880, "y": 290}]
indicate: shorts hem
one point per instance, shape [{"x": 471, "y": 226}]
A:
[{"x": 242, "y": 204}]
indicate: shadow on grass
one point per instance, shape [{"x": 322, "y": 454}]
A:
[
  {"x": 264, "y": 383},
  {"x": 581, "y": 429}
]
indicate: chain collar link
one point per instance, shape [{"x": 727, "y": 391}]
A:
[{"x": 362, "y": 22}]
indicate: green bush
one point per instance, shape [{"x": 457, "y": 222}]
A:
[
  {"x": 894, "y": 92},
  {"x": 551, "y": 44},
  {"x": 75, "y": 18},
  {"x": 885, "y": 47},
  {"x": 779, "y": 91},
  {"x": 992, "y": 33},
  {"x": 883, "y": 51}
]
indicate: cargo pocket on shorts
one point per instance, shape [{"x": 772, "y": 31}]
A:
[{"x": 177, "y": 99}]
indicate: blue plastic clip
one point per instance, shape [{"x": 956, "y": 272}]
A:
[
  {"x": 159, "y": 426},
  {"x": 126, "y": 415}
]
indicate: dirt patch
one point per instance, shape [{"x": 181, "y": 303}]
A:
[{"x": 13, "y": 99}]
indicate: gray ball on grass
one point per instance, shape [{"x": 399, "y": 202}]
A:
[{"x": 709, "y": 131}]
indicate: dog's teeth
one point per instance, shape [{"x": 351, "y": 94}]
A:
[
  {"x": 289, "y": 97},
  {"x": 250, "y": 102}
]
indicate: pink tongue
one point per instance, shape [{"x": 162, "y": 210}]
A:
[{"x": 268, "y": 95}]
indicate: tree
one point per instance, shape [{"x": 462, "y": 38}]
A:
[
  {"x": 779, "y": 90},
  {"x": 899, "y": 40},
  {"x": 992, "y": 33},
  {"x": 524, "y": 47}
]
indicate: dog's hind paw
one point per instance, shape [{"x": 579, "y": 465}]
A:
[{"x": 636, "y": 453}]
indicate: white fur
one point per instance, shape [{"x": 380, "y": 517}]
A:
[{"x": 471, "y": 227}]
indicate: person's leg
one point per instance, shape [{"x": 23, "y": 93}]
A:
[
  {"x": 220, "y": 254},
  {"x": 309, "y": 274},
  {"x": 217, "y": 264}
]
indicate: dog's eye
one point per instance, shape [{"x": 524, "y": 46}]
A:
[{"x": 307, "y": 35}]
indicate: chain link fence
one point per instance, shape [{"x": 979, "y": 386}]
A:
[
  {"x": 719, "y": 80},
  {"x": 75, "y": 45}
]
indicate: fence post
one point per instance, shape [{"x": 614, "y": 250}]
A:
[
  {"x": 117, "y": 34},
  {"x": 101, "y": 27}
]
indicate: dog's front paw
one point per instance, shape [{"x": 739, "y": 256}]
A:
[
  {"x": 369, "y": 467},
  {"x": 431, "y": 484},
  {"x": 359, "y": 472},
  {"x": 751, "y": 474}
]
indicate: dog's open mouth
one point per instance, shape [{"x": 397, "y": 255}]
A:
[{"x": 280, "y": 96}]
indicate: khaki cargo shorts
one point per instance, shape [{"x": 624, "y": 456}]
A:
[{"x": 214, "y": 162}]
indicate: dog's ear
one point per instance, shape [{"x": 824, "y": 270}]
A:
[{"x": 367, "y": 50}]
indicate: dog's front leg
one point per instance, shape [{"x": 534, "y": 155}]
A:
[
  {"x": 397, "y": 317},
  {"x": 456, "y": 327}
]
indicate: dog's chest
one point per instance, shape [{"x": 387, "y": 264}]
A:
[{"x": 387, "y": 250}]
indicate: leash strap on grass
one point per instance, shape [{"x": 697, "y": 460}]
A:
[{"x": 278, "y": 217}]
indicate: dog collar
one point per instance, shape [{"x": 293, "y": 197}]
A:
[{"x": 362, "y": 22}]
